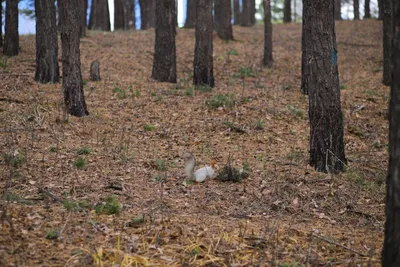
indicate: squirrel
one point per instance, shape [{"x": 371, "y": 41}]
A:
[{"x": 199, "y": 175}]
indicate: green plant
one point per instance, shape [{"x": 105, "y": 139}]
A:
[
  {"x": 219, "y": 100},
  {"x": 137, "y": 221},
  {"x": 343, "y": 87},
  {"x": 3, "y": 62},
  {"x": 259, "y": 125},
  {"x": 80, "y": 163},
  {"x": 232, "y": 52},
  {"x": 160, "y": 165},
  {"x": 203, "y": 88},
  {"x": 371, "y": 92},
  {"x": 160, "y": 178},
  {"x": 13, "y": 159},
  {"x": 120, "y": 92},
  {"x": 377, "y": 69},
  {"x": 286, "y": 87},
  {"x": 298, "y": 113},
  {"x": 83, "y": 151},
  {"x": 148, "y": 127},
  {"x": 52, "y": 234},
  {"x": 109, "y": 207},
  {"x": 189, "y": 92},
  {"x": 247, "y": 72},
  {"x": 294, "y": 155},
  {"x": 16, "y": 198},
  {"x": 52, "y": 149}
]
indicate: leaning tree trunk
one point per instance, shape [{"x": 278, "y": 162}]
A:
[
  {"x": 338, "y": 11},
  {"x": 236, "y": 12},
  {"x": 222, "y": 18},
  {"x": 268, "y": 60},
  {"x": 164, "y": 64},
  {"x": 356, "y": 6},
  {"x": 246, "y": 13},
  {"x": 287, "y": 12},
  {"x": 74, "y": 97},
  {"x": 391, "y": 245},
  {"x": 47, "y": 70},
  {"x": 203, "y": 51},
  {"x": 325, "y": 115},
  {"x": 190, "y": 14},
  {"x": 83, "y": 14},
  {"x": 99, "y": 16},
  {"x": 367, "y": 11},
  {"x": 11, "y": 38},
  {"x": 1, "y": 23},
  {"x": 119, "y": 15},
  {"x": 387, "y": 41}
]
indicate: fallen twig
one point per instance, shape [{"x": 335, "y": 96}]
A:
[{"x": 339, "y": 245}]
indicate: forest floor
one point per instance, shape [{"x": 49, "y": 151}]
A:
[{"x": 56, "y": 171}]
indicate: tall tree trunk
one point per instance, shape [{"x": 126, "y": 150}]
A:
[
  {"x": 387, "y": 41},
  {"x": 190, "y": 13},
  {"x": 338, "y": 10},
  {"x": 119, "y": 15},
  {"x": 11, "y": 38},
  {"x": 164, "y": 64},
  {"x": 356, "y": 6},
  {"x": 287, "y": 12},
  {"x": 380, "y": 6},
  {"x": 253, "y": 12},
  {"x": 246, "y": 13},
  {"x": 325, "y": 115},
  {"x": 391, "y": 245},
  {"x": 83, "y": 14},
  {"x": 268, "y": 60},
  {"x": 132, "y": 16},
  {"x": 1, "y": 23},
  {"x": 47, "y": 70},
  {"x": 222, "y": 19},
  {"x": 367, "y": 11},
  {"x": 203, "y": 51},
  {"x": 147, "y": 14},
  {"x": 236, "y": 12},
  {"x": 74, "y": 97},
  {"x": 99, "y": 16}
]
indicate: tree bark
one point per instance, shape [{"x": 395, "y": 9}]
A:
[
  {"x": 338, "y": 10},
  {"x": 356, "y": 6},
  {"x": 47, "y": 70},
  {"x": 131, "y": 17},
  {"x": 83, "y": 13},
  {"x": 246, "y": 13},
  {"x": 287, "y": 12},
  {"x": 74, "y": 97},
  {"x": 325, "y": 115},
  {"x": 119, "y": 15},
  {"x": 380, "y": 6},
  {"x": 387, "y": 41},
  {"x": 11, "y": 38},
  {"x": 253, "y": 12},
  {"x": 268, "y": 60},
  {"x": 99, "y": 16},
  {"x": 236, "y": 12},
  {"x": 147, "y": 14},
  {"x": 222, "y": 19},
  {"x": 164, "y": 63},
  {"x": 391, "y": 245},
  {"x": 190, "y": 14},
  {"x": 203, "y": 52},
  {"x": 1, "y": 23},
  {"x": 367, "y": 10}
]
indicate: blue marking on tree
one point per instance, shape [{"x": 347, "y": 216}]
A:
[{"x": 334, "y": 57}]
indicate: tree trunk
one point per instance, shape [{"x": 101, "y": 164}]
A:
[
  {"x": 11, "y": 38},
  {"x": 131, "y": 14},
  {"x": 246, "y": 13},
  {"x": 338, "y": 10},
  {"x": 119, "y": 15},
  {"x": 287, "y": 12},
  {"x": 222, "y": 19},
  {"x": 99, "y": 16},
  {"x": 325, "y": 115},
  {"x": 380, "y": 6},
  {"x": 203, "y": 51},
  {"x": 387, "y": 41},
  {"x": 74, "y": 97},
  {"x": 268, "y": 60},
  {"x": 82, "y": 25},
  {"x": 356, "y": 6},
  {"x": 1, "y": 23},
  {"x": 147, "y": 14},
  {"x": 253, "y": 12},
  {"x": 236, "y": 12},
  {"x": 190, "y": 14},
  {"x": 164, "y": 64},
  {"x": 47, "y": 70},
  {"x": 152, "y": 13},
  {"x": 391, "y": 245},
  {"x": 367, "y": 11}
]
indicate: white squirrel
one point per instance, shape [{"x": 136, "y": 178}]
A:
[{"x": 199, "y": 175}]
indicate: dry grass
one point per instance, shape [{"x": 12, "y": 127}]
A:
[{"x": 284, "y": 213}]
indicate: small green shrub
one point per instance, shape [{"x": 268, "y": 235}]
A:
[
  {"x": 136, "y": 222},
  {"x": 371, "y": 92},
  {"x": 286, "y": 87},
  {"x": 259, "y": 125},
  {"x": 15, "y": 159},
  {"x": 247, "y": 72},
  {"x": 343, "y": 87},
  {"x": 232, "y": 52},
  {"x": 160, "y": 165},
  {"x": 83, "y": 151},
  {"x": 189, "y": 92},
  {"x": 203, "y": 88},
  {"x": 298, "y": 113},
  {"x": 219, "y": 100},
  {"x": 119, "y": 92},
  {"x": 52, "y": 149},
  {"x": 109, "y": 207},
  {"x": 149, "y": 127},
  {"x": 52, "y": 234},
  {"x": 80, "y": 163}
]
